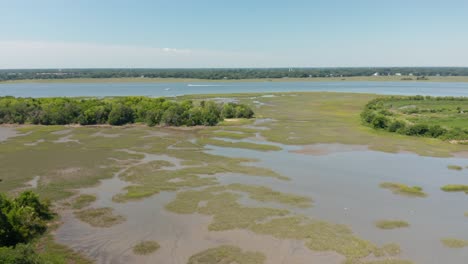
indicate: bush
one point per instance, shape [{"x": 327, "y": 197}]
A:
[
  {"x": 380, "y": 121},
  {"x": 396, "y": 125},
  {"x": 417, "y": 130},
  {"x": 22, "y": 218},
  {"x": 20, "y": 254},
  {"x": 120, "y": 115}
]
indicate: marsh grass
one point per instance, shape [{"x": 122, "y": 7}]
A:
[
  {"x": 402, "y": 189},
  {"x": 455, "y": 188},
  {"x": 387, "y": 261},
  {"x": 228, "y": 214},
  {"x": 388, "y": 250},
  {"x": 52, "y": 252},
  {"x": 391, "y": 224},
  {"x": 227, "y": 254},
  {"x": 82, "y": 201},
  {"x": 231, "y": 135},
  {"x": 146, "y": 247},
  {"x": 99, "y": 217},
  {"x": 455, "y": 167},
  {"x": 454, "y": 243},
  {"x": 264, "y": 194},
  {"x": 242, "y": 145}
]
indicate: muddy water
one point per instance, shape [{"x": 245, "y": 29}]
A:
[
  {"x": 7, "y": 132},
  {"x": 180, "y": 236},
  {"x": 345, "y": 187},
  {"x": 343, "y": 181}
]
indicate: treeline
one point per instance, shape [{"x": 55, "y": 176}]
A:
[
  {"x": 22, "y": 219},
  {"x": 376, "y": 115},
  {"x": 235, "y": 74},
  {"x": 117, "y": 111}
]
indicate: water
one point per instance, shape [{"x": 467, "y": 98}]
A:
[
  {"x": 177, "y": 89},
  {"x": 345, "y": 188}
]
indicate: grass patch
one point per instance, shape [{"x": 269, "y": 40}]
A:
[
  {"x": 228, "y": 214},
  {"x": 402, "y": 189},
  {"x": 231, "y": 135},
  {"x": 82, "y": 201},
  {"x": 146, "y": 247},
  {"x": 242, "y": 145},
  {"x": 99, "y": 217},
  {"x": 264, "y": 194},
  {"x": 454, "y": 243},
  {"x": 227, "y": 254},
  {"x": 455, "y": 188},
  {"x": 388, "y": 250},
  {"x": 391, "y": 224},
  {"x": 52, "y": 252},
  {"x": 389, "y": 261},
  {"x": 455, "y": 167}
]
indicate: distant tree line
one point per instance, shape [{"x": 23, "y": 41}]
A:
[
  {"x": 235, "y": 74},
  {"x": 117, "y": 111},
  {"x": 22, "y": 219},
  {"x": 376, "y": 115}
]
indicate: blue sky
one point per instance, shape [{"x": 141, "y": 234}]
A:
[{"x": 200, "y": 33}]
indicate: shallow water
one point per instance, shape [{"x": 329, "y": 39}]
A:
[
  {"x": 7, "y": 132},
  {"x": 345, "y": 188},
  {"x": 176, "y": 89}
]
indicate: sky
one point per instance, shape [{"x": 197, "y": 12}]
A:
[{"x": 227, "y": 34}]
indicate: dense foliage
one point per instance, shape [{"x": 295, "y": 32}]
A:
[
  {"x": 21, "y": 220},
  {"x": 117, "y": 111},
  {"x": 437, "y": 117},
  {"x": 217, "y": 74}
]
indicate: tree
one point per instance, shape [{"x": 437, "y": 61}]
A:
[{"x": 120, "y": 115}]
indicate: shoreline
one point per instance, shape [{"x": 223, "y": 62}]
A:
[{"x": 461, "y": 79}]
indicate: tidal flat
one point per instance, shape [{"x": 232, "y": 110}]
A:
[{"x": 197, "y": 194}]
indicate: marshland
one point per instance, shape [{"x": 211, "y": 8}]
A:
[{"x": 303, "y": 180}]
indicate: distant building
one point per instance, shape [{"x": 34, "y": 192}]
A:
[
  {"x": 376, "y": 74},
  {"x": 398, "y": 74}
]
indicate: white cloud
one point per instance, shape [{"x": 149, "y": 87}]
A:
[
  {"x": 42, "y": 54},
  {"x": 38, "y": 54}
]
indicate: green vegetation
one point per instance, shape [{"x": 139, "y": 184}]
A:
[
  {"x": 264, "y": 194},
  {"x": 22, "y": 218},
  {"x": 228, "y": 214},
  {"x": 388, "y": 250},
  {"x": 454, "y": 243},
  {"x": 419, "y": 73},
  {"x": 146, "y": 247},
  {"x": 99, "y": 217},
  {"x": 238, "y": 144},
  {"x": 227, "y": 254},
  {"x": 171, "y": 159},
  {"x": 455, "y": 188},
  {"x": 455, "y": 167},
  {"x": 391, "y": 224},
  {"x": 117, "y": 111},
  {"x": 23, "y": 222},
  {"x": 398, "y": 188},
  {"x": 83, "y": 200},
  {"x": 231, "y": 135},
  {"x": 389, "y": 261},
  {"x": 435, "y": 117}
]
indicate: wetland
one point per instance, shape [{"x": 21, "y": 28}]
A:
[{"x": 303, "y": 182}]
